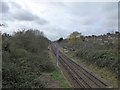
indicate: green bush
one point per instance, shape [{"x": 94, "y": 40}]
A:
[
  {"x": 25, "y": 59},
  {"x": 102, "y": 58}
]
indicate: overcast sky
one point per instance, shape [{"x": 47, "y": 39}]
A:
[{"x": 59, "y": 19}]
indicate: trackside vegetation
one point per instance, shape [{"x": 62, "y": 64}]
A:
[
  {"x": 102, "y": 51},
  {"x": 25, "y": 58},
  {"x": 57, "y": 74}
]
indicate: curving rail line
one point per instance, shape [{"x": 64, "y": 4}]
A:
[{"x": 79, "y": 76}]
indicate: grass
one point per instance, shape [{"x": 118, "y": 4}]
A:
[
  {"x": 57, "y": 74},
  {"x": 102, "y": 72}
]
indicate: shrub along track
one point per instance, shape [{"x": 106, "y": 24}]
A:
[{"x": 79, "y": 76}]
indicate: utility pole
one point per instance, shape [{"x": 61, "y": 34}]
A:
[{"x": 57, "y": 52}]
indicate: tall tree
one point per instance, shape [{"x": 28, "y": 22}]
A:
[{"x": 74, "y": 37}]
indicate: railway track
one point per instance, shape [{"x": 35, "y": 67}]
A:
[{"x": 79, "y": 76}]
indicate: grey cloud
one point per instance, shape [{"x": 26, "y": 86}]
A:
[
  {"x": 15, "y": 5},
  {"x": 55, "y": 32},
  {"x": 20, "y": 14},
  {"x": 81, "y": 8},
  {"x": 7, "y": 17},
  {"x": 110, "y": 10},
  {"x": 4, "y": 7},
  {"x": 110, "y": 14},
  {"x": 110, "y": 6},
  {"x": 25, "y": 15},
  {"x": 110, "y": 23},
  {"x": 89, "y": 20},
  {"x": 41, "y": 21},
  {"x": 61, "y": 4}
]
